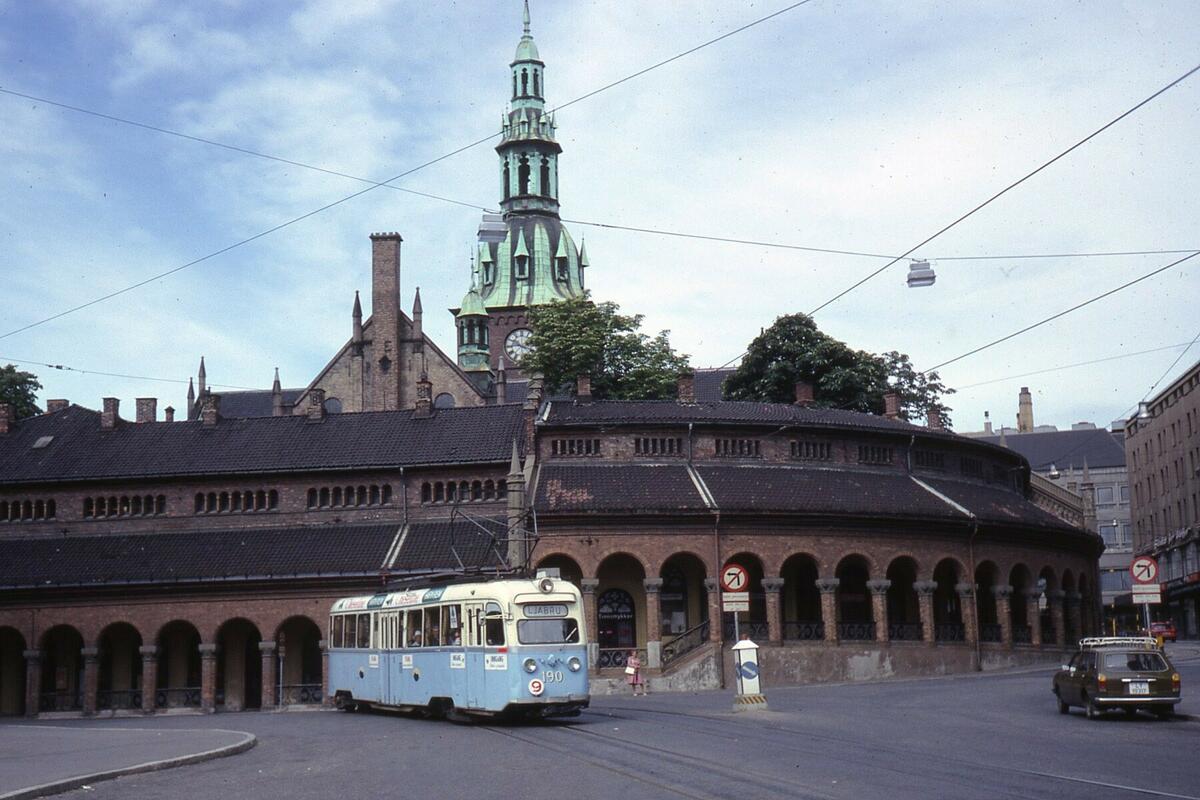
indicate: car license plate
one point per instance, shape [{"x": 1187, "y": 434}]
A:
[{"x": 1139, "y": 687}]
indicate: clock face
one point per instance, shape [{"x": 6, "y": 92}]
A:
[{"x": 517, "y": 343}]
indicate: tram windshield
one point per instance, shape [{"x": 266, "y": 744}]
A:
[{"x": 548, "y": 631}]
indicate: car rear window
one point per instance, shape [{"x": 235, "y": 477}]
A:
[{"x": 1135, "y": 662}]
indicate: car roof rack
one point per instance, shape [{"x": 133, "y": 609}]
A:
[{"x": 1145, "y": 642}]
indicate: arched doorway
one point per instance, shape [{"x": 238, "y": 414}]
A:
[
  {"x": 1048, "y": 584},
  {"x": 801, "y": 599},
  {"x": 239, "y": 666},
  {"x": 299, "y": 649},
  {"x": 620, "y": 609},
  {"x": 12, "y": 672},
  {"x": 120, "y": 684},
  {"x": 986, "y": 578},
  {"x": 178, "y": 681},
  {"x": 856, "y": 619},
  {"x": 947, "y": 607},
  {"x": 753, "y": 622},
  {"x": 904, "y": 611},
  {"x": 1018, "y": 604},
  {"x": 1069, "y": 604},
  {"x": 1087, "y": 607},
  {"x": 62, "y": 670},
  {"x": 683, "y": 601}
]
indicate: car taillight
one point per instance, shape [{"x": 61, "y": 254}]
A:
[
  {"x": 1175, "y": 680},
  {"x": 1102, "y": 679}
]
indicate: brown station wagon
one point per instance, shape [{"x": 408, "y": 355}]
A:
[{"x": 1126, "y": 672}]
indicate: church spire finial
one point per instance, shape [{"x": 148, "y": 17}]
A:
[{"x": 526, "y": 17}]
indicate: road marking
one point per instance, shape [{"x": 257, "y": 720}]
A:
[{"x": 1106, "y": 785}]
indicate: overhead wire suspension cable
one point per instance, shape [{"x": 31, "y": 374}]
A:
[{"x": 403, "y": 174}]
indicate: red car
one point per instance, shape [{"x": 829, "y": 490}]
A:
[{"x": 1164, "y": 629}]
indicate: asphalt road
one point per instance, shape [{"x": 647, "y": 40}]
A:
[{"x": 988, "y": 736}]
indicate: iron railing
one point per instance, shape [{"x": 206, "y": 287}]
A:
[
  {"x": 302, "y": 694},
  {"x": 685, "y": 642},
  {"x": 990, "y": 632},
  {"x": 616, "y": 656},
  {"x": 119, "y": 699},
  {"x": 59, "y": 701},
  {"x": 856, "y": 631},
  {"x": 803, "y": 631},
  {"x": 182, "y": 697},
  {"x": 950, "y": 632},
  {"x": 755, "y": 630},
  {"x": 1022, "y": 634},
  {"x": 905, "y": 632}
]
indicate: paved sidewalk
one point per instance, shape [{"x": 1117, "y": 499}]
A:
[{"x": 37, "y": 759}]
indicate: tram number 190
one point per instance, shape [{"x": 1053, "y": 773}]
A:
[{"x": 552, "y": 676}]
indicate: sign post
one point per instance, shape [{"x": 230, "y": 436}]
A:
[
  {"x": 1146, "y": 588},
  {"x": 735, "y": 583}
]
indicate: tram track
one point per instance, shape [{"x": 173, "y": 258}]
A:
[{"x": 755, "y": 731}]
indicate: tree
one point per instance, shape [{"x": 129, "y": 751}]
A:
[
  {"x": 19, "y": 389},
  {"x": 794, "y": 349},
  {"x": 580, "y": 337}
]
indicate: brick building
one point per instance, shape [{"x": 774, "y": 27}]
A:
[{"x": 160, "y": 563}]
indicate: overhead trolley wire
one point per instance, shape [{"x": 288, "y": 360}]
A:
[
  {"x": 65, "y": 368},
  {"x": 588, "y": 223},
  {"x": 373, "y": 185},
  {"x": 1070, "y": 366}
]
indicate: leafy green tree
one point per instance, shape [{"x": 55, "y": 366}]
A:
[
  {"x": 580, "y": 337},
  {"x": 19, "y": 389},
  {"x": 794, "y": 349}
]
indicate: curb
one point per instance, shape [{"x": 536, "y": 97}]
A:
[{"x": 68, "y": 784}]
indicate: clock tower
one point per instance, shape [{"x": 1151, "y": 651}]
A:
[{"x": 536, "y": 261}]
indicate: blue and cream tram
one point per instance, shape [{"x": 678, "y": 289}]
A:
[{"x": 502, "y": 647}]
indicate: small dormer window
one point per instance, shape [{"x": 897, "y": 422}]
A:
[
  {"x": 560, "y": 269},
  {"x": 522, "y": 267},
  {"x": 43, "y": 441}
]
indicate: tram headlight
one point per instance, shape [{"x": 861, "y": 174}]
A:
[
  {"x": 574, "y": 664},
  {"x": 530, "y": 665},
  {"x": 546, "y": 585}
]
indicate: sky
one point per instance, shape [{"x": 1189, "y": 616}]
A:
[{"x": 851, "y": 126}]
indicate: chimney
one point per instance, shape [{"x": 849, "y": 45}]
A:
[
  {"x": 385, "y": 322},
  {"x": 501, "y": 383},
  {"x": 210, "y": 410},
  {"x": 316, "y": 405},
  {"x": 891, "y": 404},
  {"x": 1024, "y": 411},
  {"x": 110, "y": 414},
  {"x": 53, "y": 406},
  {"x": 804, "y": 394},
  {"x": 934, "y": 420},
  {"x": 147, "y": 409},
  {"x": 686, "y": 387},
  {"x": 169, "y": 411},
  {"x": 583, "y": 387},
  {"x": 5, "y": 417},
  {"x": 987, "y": 422},
  {"x": 424, "y": 406}
]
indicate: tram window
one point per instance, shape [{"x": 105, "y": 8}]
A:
[
  {"x": 336, "y": 626},
  {"x": 547, "y": 631},
  {"x": 452, "y": 624},
  {"x": 351, "y": 634},
  {"x": 433, "y": 631},
  {"x": 364, "y": 630},
  {"x": 494, "y": 626},
  {"x": 413, "y": 626}
]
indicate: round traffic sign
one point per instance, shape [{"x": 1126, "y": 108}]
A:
[
  {"x": 1144, "y": 570},
  {"x": 734, "y": 578}
]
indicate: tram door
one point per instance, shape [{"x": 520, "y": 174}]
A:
[{"x": 474, "y": 640}]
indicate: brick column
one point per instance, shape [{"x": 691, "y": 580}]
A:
[
  {"x": 208, "y": 678},
  {"x": 270, "y": 675},
  {"x": 925, "y": 590},
  {"x": 712, "y": 588},
  {"x": 879, "y": 609},
  {"x": 1033, "y": 616},
  {"x": 773, "y": 586},
  {"x": 588, "y": 587},
  {"x": 1004, "y": 613},
  {"x": 149, "y": 677},
  {"x": 91, "y": 679},
  {"x": 970, "y": 611},
  {"x": 1056, "y": 598},
  {"x": 653, "y": 587},
  {"x": 326, "y": 700},
  {"x": 1073, "y": 614},
  {"x": 828, "y": 588},
  {"x": 33, "y": 681}
]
